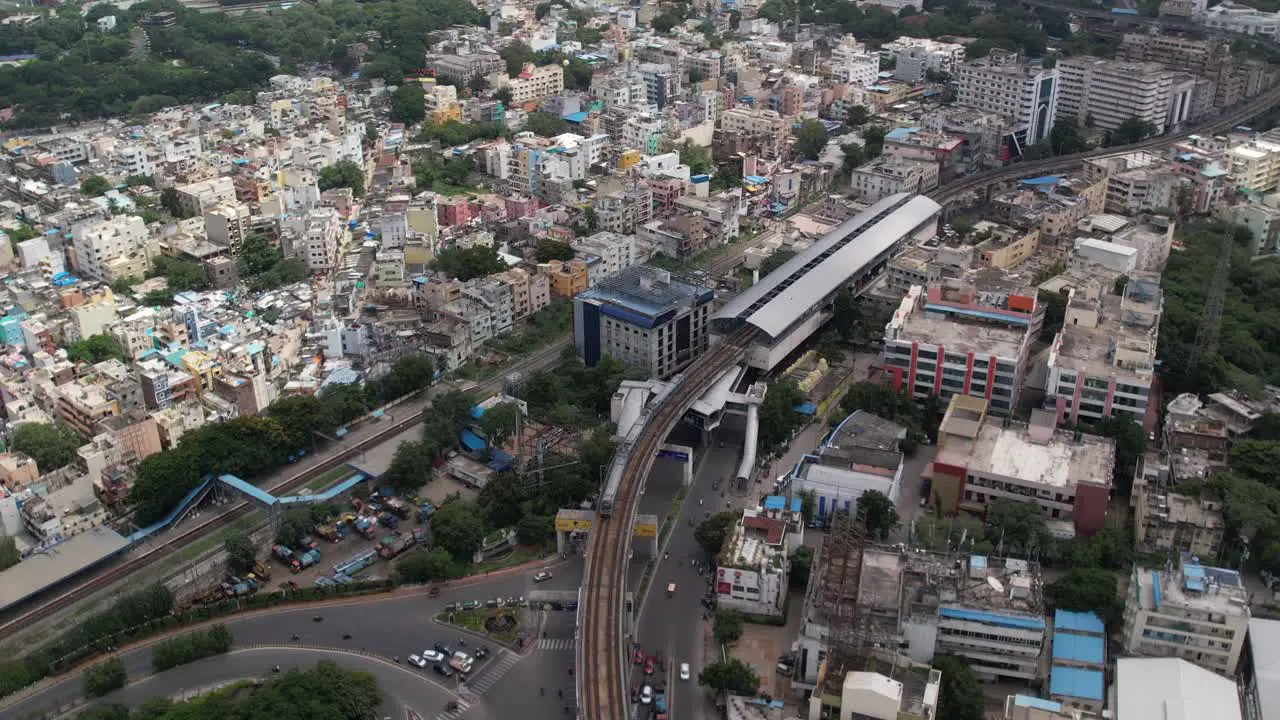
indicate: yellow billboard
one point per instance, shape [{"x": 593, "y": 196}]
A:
[
  {"x": 645, "y": 529},
  {"x": 572, "y": 524}
]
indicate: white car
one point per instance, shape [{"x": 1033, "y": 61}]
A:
[
  {"x": 431, "y": 656},
  {"x": 415, "y": 660},
  {"x": 543, "y": 576},
  {"x": 684, "y": 671},
  {"x": 646, "y": 695}
]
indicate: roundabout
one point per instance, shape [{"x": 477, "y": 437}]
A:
[{"x": 374, "y": 634}]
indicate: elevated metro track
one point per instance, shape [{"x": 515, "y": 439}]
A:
[
  {"x": 1229, "y": 118},
  {"x": 601, "y": 660}
]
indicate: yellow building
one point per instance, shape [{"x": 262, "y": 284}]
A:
[
  {"x": 567, "y": 278},
  {"x": 628, "y": 159}
]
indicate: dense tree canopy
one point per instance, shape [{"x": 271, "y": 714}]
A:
[
  {"x": 408, "y": 104},
  {"x": 960, "y": 697},
  {"x": 732, "y": 676},
  {"x": 343, "y": 174},
  {"x": 877, "y": 513},
  {"x": 811, "y": 138},
  {"x": 51, "y": 446},
  {"x": 469, "y": 263},
  {"x": 712, "y": 532},
  {"x": 95, "y": 349}
]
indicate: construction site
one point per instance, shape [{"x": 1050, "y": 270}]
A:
[{"x": 888, "y": 610}]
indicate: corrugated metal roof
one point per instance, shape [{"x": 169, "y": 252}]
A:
[
  {"x": 1088, "y": 649},
  {"x": 790, "y": 292},
  {"x": 1075, "y": 682},
  {"x": 1024, "y": 622},
  {"x": 1083, "y": 622}
]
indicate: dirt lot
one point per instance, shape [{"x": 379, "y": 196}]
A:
[{"x": 760, "y": 646}]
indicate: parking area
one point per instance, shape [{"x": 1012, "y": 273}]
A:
[{"x": 761, "y": 646}]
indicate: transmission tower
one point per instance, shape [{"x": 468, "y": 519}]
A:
[
  {"x": 1206, "y": 344},
  {"x": 837, "y": 591}
]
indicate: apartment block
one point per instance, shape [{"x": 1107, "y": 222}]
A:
[
  {"x": 537, "y": 83},
  {"x": 1102, "y": 361},
  {"x": 951, "y": 339},
  {"x": 1107, "y": 93},
  {"x": 614, "y": 253},
  {"x": 998, "y": 628},
  {"x": 623, "y": 211},
  {"x": 645, "y": 318},
  {"x": 104, "y": 247},
  {"x": 1193, "y": 612},
  {"x": 1001, "y": 83},
  {"x": 887, "y": 176},
  {"x": 197, "y": 198},
  {"x": 317, "y": 238},
  {"x": 981, "y": 460},
  {"x": 228, "y": 225},
  {"x": 1255, "y": 166},
  {"x": 765, "y": 126}
]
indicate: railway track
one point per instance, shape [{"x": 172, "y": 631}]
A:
[
  {"x": 112, "y": 573},
  {"x": 603, "y": 693}
]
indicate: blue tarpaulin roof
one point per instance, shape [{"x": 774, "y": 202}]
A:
[
  {"x": 1044, "y": 180},
  {"x": 577, "y": 117},
  {"x": 1075, "y": 682},
  {"x": 1087, "y": 649},
  {"x": 472, "y": 441},
  {"x": 775, "y": 502},
  {"x": 1081, "y": 622},
  {"x": 807, "y": 408},
  {"x": 990, "y": 618}
]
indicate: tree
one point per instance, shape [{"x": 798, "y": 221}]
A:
[
  {"x": 179, "y": 275},
  {"x": 960, "y": 695},
  {"x": 801, "y": 567},
  {"x": 499, "y": 422},
  {"x": 458, "y": 529},
  {"x": 50, "y": 446},
  {"x": 548, "y": 250},
  {"x": 545, "y": 124},
  {"x": 241, "y": 553},
  {"x": 410, "y": 467},
  {"x": 294, "y": 526},
  {"x": 1017, "y": 527},
  {"x": 478, "y": 84},
  {"x": 776, "y": 260},
  {"x": 808, "y": 504},
  {"x": 732, "y": 676},
  {"x": 811, "y": 138},
  {"x": 712, "y": 532},
  {"x": 535, "y": 530},
  {"x": 408, "y": 105},
  {"x": 516, "y": 54},
  {"x": 877, "y": 513},
  {"x": 468, "y": 263},
  {"x": 503, "y": 95},
  {"x": 1086, "y": 589},
  {"x": 9, "y": 555},
  {"x": 113, "y": 711},
  {"x": 697, "y": 157},
  {"x": 1131, "y": 442},
  {"x": 778, "y": 416},
  {"x": 94, "y": 186},
  {"x": 857, "y": 115},
  {"x": 1065, "y": 139},
  {"x": 873, "y": 141},
  {"x": 727, "y": 626},
  {"x": 342, "y": 174},
  {"x": 104, "y": 677},
  {"x": 424, "y": 565},
  {"x": 95, "y": 349},
  {"x": 1131, "y": 131}
]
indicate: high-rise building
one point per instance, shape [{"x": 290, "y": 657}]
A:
[
  {"x": 103, "y": 248},
  {"x": 1105, "y": 93},
  {"x": 1002, "y": 83},
  {"x": 645, "y": 318},
  {"x": 228, "y": 225}
]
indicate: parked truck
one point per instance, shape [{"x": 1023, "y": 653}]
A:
[
  {"x": 394, "y": 544},
  {"x": 399, "y": 507},
  {"x": 328, "y": 532},
  {"x": 262, "y": 570},
  {"x": 424, "y": 512},
  {"x": 366, "y": 527},
  {"x": 419, "y": 536},
  {"x": 307, "y": 559},
  {"x": 356, "y": 563},
  {"x": 388, "y": 520},
  {"x": 283, "y": 554},
  {"x": 660, "y": 702}
]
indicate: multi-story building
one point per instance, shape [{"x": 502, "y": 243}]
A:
[
  {"x": 228, "y": 225},
  {"x": 661, "y": 83},
  {"x": 465, "y": 67},
  {"x": 102, "y": 247},
  {"x": 851, "y": 63},
  {"x": 921, "y": 55},
  {"x": 765, "y": 126},
  {"x": 752, "y": 568},
  {"x": 197, "y": 198},
  {"x": 1104, "y": 93},
  {"x": 887, "y": 176},
  {"x": 861, "y": 454},
  {"x": 537, "y": 83},
  {"x": 949, "y": 340},
  {"x": 615, "y": 253},
  {"x": 1001, "y": 83},
  {"x": 1255, "y": 166},
  {"x": 623, "y": 211},
  {"x": 317, "y": 239},
  {"x": 567, "y": 278},
  {"x": 1103, "y": 360},
  {"x": 530, "y": 292},
  {"x": 1192, "y": 612},
  {"x": 1166, "y": 521},
  {"x": 1068, "y": 475},
  {"x": 80, "y": 405},
  {"x": 645, "y": 318},
  {"x": 1238, "y": 18},
  {"x": 998, "y": 628}
]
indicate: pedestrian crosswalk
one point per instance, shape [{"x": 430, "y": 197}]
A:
[
  {"x": 454, "y": 714},
  {"x": 492, "y": 672},
  {"x": 555, "y": 644}
]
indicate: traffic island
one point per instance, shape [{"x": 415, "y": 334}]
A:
[{"x": 503, "y": 625}]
